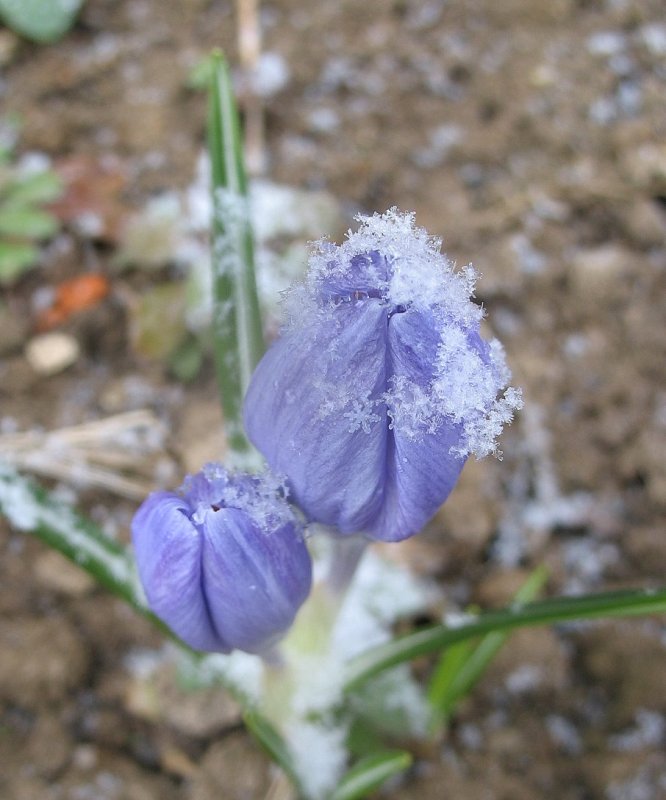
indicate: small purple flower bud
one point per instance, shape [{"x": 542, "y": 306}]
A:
[
  {"x": 380, "y": 385},
  {"x": 223, "y": 563}
]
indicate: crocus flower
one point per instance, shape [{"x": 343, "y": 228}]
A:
[
  {"x": 223, "y": 562},
  {"x": 380, "y": 385}
]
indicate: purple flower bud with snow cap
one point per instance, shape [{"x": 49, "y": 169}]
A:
[
  {"x": 380, "y": 386},
  {"x": 223, "y": 563}
]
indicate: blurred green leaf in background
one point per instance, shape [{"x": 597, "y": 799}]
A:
[
  {"x": 25, "y": 188},
  {"x": 40, "y": 21}
]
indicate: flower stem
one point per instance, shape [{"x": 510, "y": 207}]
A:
[{"x": 346, "y": 556}]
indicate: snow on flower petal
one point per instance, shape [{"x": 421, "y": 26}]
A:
[
  {"x": 380, "y": 385},
  {"x": 223, "y": 563}
]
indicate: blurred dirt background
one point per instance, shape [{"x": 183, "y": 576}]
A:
[{"x": 531, "y": 136}]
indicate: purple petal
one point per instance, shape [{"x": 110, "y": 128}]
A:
[
  {"x": 254, "y": 581},
  {"x": 168, "y": 550},
  {"x": 315, "y": 410},
  {"x": 421, "y": 470}
]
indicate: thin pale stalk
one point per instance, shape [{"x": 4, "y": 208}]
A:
[
  {"x": 237, "y": 331},
  {"x": 347, "y": 552},
  {"x": 249, "y": 51}
]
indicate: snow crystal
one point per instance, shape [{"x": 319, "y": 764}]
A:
[
  {"x": 261, "y": 497},
  {"x": 564, "y": 734},
  {"x": 361, "y": 415},
  {"x": 143, "y": 662},
  {"x": 319, "y": 755},
  {"x": 654, "y": 37},
  {"x": 586, "y": 561},
  {"x": 459, "y": 619},
  {"x": 525, "y": 678},
  {"x": 398, "y": 700},
  {"x": 640, "y": 786},
  {"x": 470, "y": 736},
  {"x": 231, "y": 216},
  {"x": 17, "y": 502},
  {"x": 530, "y": 260},
  {"x": 650, "y": 731},
  {"x": 271, "y": 74},
  {"x": 381, "y": 594},
  {"x": 240, "y": 673},
  {"x": 606, "y": 43},
  {"x": 389, "y": 260}
]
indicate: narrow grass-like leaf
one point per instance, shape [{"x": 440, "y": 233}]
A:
[
  {"x": 451, "y": 663},
  {"x": 269, "y": 738},
  {"x": 545, "y": 612},
  {"x": 237, "y": 331},
  {"x": 370, "y": 773},
  {"x": 463, "y": 664}
]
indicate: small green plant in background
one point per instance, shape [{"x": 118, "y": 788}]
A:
[
  {"x": 25, "y": 190},
  {"x": 40, "y": 21}
]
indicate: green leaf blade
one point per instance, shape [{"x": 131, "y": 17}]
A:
[
  {"x": 545, "y": 612},
  {"x": 237, "y": 328},
  {"x": 463, "y": 664},
  {"x": 370, "y": 773},
  {"x": 444, "y": 676}
]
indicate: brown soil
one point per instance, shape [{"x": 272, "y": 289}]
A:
[{"x": 530, "y": 135}]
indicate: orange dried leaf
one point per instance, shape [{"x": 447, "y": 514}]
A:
[{"x": 72, "y": 296}]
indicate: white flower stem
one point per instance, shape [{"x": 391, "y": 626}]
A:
[
  {"x": 347, "y": 552},
  {"x": 273, "y": 657}
]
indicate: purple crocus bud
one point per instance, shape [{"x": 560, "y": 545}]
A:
[
  {"x": 380, "y": 386},
  {"x": 223, "y": 563}
]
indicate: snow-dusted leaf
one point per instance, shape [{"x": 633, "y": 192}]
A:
[
  {"x": 32, "y": 510},
  {"x": 237, "y": 328}
]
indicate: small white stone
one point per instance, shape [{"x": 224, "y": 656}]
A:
[{"x": 52, "y": 353}]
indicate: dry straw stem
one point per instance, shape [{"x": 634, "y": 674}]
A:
[
  {"x": 116, "y": 453},
  {"x": 249, "y": 51}
]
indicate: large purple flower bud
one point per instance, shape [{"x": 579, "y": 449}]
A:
[
  {"x": 380, "y": 386},
  {"x": 223, "y": 563}
]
